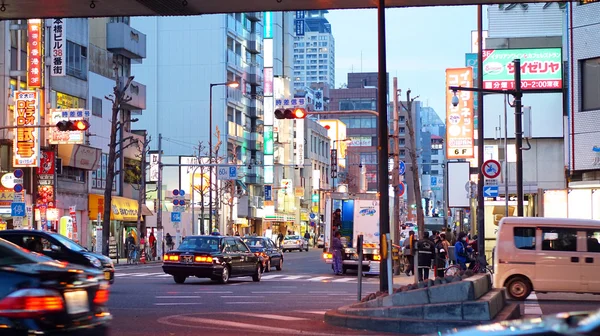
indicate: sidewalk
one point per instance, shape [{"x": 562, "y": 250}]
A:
[{"x": 122, "y": 262}]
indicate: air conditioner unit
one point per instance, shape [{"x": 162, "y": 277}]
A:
[{"x": 59, "y": 166}]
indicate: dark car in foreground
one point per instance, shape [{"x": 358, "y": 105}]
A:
[
  {"x": 41, "y": 296},
  {"x": 59, "y": 247},
  {"x": 266, "y": 248},
  {"x": 216, "y": 257},
  {"x": 562, "y": 324}
]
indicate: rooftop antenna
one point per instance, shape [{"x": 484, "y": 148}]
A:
[{"x": 361, "y": 68}]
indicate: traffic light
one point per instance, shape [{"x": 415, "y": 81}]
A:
[
  {"x": 288, "y": 113},
  {"x": 72, "y": 125}
]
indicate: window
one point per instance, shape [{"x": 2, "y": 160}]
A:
[
  {"x": 242, "y": 247},
  {"x": 593, "y": 241},
  {"x": 72, "y": 173},
  {"x": 76, "y": 60},
  {"x": 524, "y": 238},
  {"x": 559, "y": 239},
  {"x": 124, "y": 19},
  {"x": 590, "y": 84},
  {"x": 99, "y": 176},
  {"x": 368, "y": 158},
  {"x": 435, "y": 152},
  {"x": 97, "y": 107}
]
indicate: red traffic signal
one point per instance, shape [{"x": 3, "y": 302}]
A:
[
  {"x": 296, "y": 113},
  {"x": 72, "y": 125}
]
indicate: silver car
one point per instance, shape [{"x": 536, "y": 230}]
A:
[{"x": 294, "y": 242}]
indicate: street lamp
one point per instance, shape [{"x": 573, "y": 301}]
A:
[{"x": 231, "y": 84}]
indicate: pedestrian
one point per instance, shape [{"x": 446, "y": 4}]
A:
[
  {"x": 169, "y": 241},
  {"x": 408, "y": 249},
  {"x": 446, "y": 245},
  {"x": 280, "y": 239},
  {"x": 237, "y": 233},
  {"x": 441, "y": 254},
  {"x": 307, "y": 237},
  {"x": 336, "y": 251},
  {"x": 461, "y": 250},
  {"x": 426, "y": 254},
  {"x": 152, "y": 242}
]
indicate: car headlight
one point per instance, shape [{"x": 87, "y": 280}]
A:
[{"x": 94, "y": 261}]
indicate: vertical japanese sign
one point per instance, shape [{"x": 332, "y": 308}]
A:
[
  {"x": 299, "y": 141},
  {"x": 34, "y": 53},
  {"x": 59, "y": 44},
  {"x": 459, "y": 119},
  {"x": 27, "y": 139}
]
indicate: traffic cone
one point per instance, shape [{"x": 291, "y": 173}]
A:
[{"x": 143, "y": 258}]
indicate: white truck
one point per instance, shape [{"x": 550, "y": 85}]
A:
[{"x": 358, "y": 217}]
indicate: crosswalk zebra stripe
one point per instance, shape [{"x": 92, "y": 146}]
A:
[
  {"x": 271, "y": 316},
  {"x": 271, "y": 276},
  {"x": 292, "y": 277},
  {"x": 319, "y": 278},
  {"x": 344, "y": 280}
]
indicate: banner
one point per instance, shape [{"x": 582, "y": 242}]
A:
[
  {"x": 58, "y": 44},
  {"x": 541, "y": 69},
  {"x": 26, "y": 144},
  {"x": 57, "y": 137},
  {"x": 459, "y": 119},
  {"x": 34, "y": 53}
]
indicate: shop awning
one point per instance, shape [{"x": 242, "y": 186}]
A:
[
  {"x": 146, "y": 211},
  {"x": 279, "y": 217},
  {"x": 123, "y": 209},
  {"x": 80, "y": 156}
]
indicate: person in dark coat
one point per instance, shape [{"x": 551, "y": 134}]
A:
[
  {"x": 441, "y": 254},
  {"x": 426, "y": 254}
]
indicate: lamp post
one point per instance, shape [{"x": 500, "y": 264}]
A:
[{"x": 231, "y": 84}]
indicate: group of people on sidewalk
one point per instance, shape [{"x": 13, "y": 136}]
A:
[{"x": 434, "y": 251}]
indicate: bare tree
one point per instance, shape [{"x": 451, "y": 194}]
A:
[
  {"x": 414, "y": 167},
  {"x": 204, "y": 182},
  {"x": 229, "y": 193},
  {"x": 118, "y": 97},
  {"x": 215, "y": 182},
  {"x": 136, "y": 176}
]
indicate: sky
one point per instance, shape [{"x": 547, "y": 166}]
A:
[{"x": 421, "y": 44}]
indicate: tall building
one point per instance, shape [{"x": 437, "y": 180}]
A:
[
  {"x": 583, "y": 153},
  {"x": 314, "y": 50},
  {"x": 183, "y": 73}
]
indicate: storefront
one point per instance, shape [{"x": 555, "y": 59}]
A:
[
  {"x": 278, "y": 223},
  {"x": 123, "y": 220}
]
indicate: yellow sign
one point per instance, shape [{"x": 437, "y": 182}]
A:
[
  {"x": 27, "y": 136},
  {"x": 304, "y": 216},
  {"x": 122, "y": 209},
  {"x": 299, "y": 191}
]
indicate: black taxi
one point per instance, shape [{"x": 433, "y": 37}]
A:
[{"x": 216, "y": 257}]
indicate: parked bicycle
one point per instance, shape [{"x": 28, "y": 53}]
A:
[{"x": 476, "y": 266}]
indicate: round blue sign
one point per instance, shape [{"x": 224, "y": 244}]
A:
[
  {"x": 18, "y": 173},
  {"x": 175, "y": 192},
  {"x": 18, "y": 188},
  {"x": 175, "y": 202},
  {"x": 181, "y": 192},
  {"x": 401, "y": 189}
]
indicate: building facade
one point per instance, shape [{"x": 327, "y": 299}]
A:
[{"x": 314, "y": 50}]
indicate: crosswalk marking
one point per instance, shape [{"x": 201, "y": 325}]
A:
[
  {"x": 148, "y": 274},
  {"x": 532, "y": 306},
  {"x": 271, "y": 316},
  {"x": 177, "y": 303},
  {"x": 269, "y": 277},
  {"x": 292, "y": 277},
  {"x": 272, "y": 276},
  {"x": 344, "y": 280},
  {"x": 319, "y": 278},
  {"x": 247, "y": 326},
  {"x": 178, "y": 297},
  {"x": 315, "y": 312}
]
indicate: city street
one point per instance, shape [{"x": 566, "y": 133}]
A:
[{"x": 144, "y": 300}]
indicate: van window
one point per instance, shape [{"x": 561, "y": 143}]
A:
[
  {"x": 524, "y": 238},
  {"x": 593, "y": 241},
  {"x": 559, "y": 239}
]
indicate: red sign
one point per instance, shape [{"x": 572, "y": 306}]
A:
[
  {"x": 34, "y": 53},
  {"x": 491, "y": 169},
  {"x": 46, "y": 163}
]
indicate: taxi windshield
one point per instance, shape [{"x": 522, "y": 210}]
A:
[{"x": 203, "y": 244}]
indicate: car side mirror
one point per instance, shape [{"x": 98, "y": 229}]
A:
[{"x": 55, "y": 248}]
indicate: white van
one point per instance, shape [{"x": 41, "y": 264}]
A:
[{"x": 547, "y": 255}]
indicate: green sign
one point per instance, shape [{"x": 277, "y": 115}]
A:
[
  {"x": 315, "y": 198},
  {"x": 268, "y": 138},
  {"x": 268, "y": 31},
  {"x": 541, "y": 69}
]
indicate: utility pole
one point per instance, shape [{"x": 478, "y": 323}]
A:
[
  {"x": 396, "y": 170},
  {"x": 414, "y": 166},
  {"x": 142, "y": 184},
  {"x": 159, "y": 225},
  {"x": 519, "y": 136}
]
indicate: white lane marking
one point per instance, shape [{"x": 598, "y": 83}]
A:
[
  {"x": 242, "y": 296},
  {"x": 270, "y": 316},
  {"x": 164, "y": 275},
  {"x": 178, "y": 297},
  {"x": 326, "y": 292},
  {"x": 247, "y": 302},
  {"x": 271, "y": 292},
  {"x": 533, "y": 306},
  {"x": 343, "y": 280},
  {"x": 176, "y": 303},
  {"x": 246, "y": 326},
  {"x": 319, "y": 278},
  {"x": 148, "y": 274},
  {"x": 292, "y": 277},
  {"x": 316, "y": 312},
  {"x": 214, "y": 292},
  {"x": 339, "y": 294},
  {"x": 272, "y": 276}
]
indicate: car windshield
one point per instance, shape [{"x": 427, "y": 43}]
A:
[
  {"x": 254, "y": 242},
  {"x": 292, "y": 237},
  {"x": 11, "y": 254},
  {"x": 68, "y": 243},
  {"x": 203, "y": 244}
]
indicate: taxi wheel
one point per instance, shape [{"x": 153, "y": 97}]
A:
[
  {"x": 179, "y": 279},
  {"x": 268, "y": 266},
  {"x": 279, "y": 266},
  {"x": 257, "y": 274},
  {"x": 224, "y": 278},
  {"x": 518, "y": 288}
]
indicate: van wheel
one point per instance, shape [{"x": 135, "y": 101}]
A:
[{"x": 518, "y": 288}]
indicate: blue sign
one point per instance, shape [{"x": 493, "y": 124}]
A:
[
  {"x": 312, "y": 215},
  {"x": 490, "y": 191},
  {"x": 299, "y": 26},
  {"x": 402, "y": 168},
  {"x": 300, "y": 14},
  {"x": 232, "y": 173},
  {"x": 268, "y": 25},
  {"x": 268, "y": 195},
  {"x": 401, "y": 189},
  {"x": 17, "y": 209},
  {"x": 434, "y": 181},
  {"x": 471, "y": 61},
  {"x": 175, "y": 217}
]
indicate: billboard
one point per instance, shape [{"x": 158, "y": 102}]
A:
[
  {"x": 34, "y": 53},
  {"x": 541, "y": 69},
  {"x": 58, "y": 43},
  {"x": 459, "y": 119},
  {"x": 26, "y": 144},
  {"x": 458, "y": 184},
  {"x": 57, "y": 137},
  {"x": 154, "y": 168}
]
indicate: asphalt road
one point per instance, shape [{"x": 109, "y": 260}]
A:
[{"x": 145, "y": 301}]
